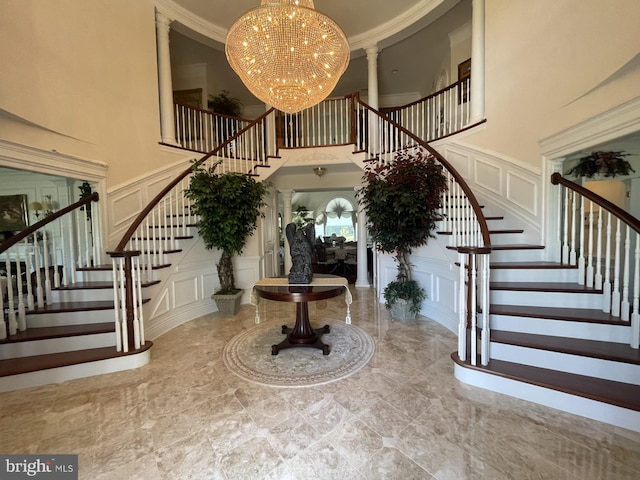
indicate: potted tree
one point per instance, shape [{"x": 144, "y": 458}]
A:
[
  {"x": 402, "y": 199},
  {"x": 228, "y": 205}
]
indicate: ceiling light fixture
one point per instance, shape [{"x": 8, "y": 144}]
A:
[
  {"x": 319, "y": 171},
  {"x": 287, "y": 54}
]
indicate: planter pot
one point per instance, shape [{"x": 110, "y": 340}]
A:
[
  {"x": 400, "y": 310},
  {"x": 228, "y": 304}
]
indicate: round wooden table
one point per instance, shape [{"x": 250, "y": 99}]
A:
[{"x": 302, "y": 334}]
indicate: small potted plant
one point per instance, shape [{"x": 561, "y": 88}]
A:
[
  {"x": 607, "y": 164},
  {"x": 228, "y": 206},
  {"x": 402, "y": 200}
]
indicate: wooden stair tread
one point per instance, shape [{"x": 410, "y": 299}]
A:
[
  {"x": 82, "y": 306},
  {"x": 585, "y": 315},
  {"x": 85, "y": 286},
  {"x": 619, "y": 352},
  {"x": 517, "y": 246},
  {"x": 97, "y": 285},
  {"x": 16, "y": 366},
  {"x": 43, "y": 333},
  {"x": 532, "y": 265},
  {"x": 567, "y": 287},
  {"x": 623, "y": 395}
]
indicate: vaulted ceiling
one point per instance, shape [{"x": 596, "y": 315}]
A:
[{"x": 412, "y": 36}]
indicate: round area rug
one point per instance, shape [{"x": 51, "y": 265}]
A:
[{"x": 248, "y": 355}]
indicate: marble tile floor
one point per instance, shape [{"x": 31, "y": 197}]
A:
[{"x": 404, "y": 416}]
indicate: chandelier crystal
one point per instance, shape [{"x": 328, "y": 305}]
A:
[{"x": 287, "y": 54}]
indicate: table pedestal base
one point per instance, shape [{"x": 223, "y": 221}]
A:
[{"x": 302, "y": 334}]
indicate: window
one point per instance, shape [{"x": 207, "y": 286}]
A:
[{"x": 339, "y": 218}]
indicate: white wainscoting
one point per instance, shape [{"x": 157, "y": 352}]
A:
[
  {"x": 433, "y": 267},
  {"x": 126, "y": 201},
  {"x": 504, "y": 185}
]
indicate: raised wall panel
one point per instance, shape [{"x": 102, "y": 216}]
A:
[
  {"x": 460, "y": 161},
  {"x": 185, "y": 292},
  {"x": 124, "y": 208},
  {"x": 522, "y": 192},
  {"x": 162, "y": 304},
  {"x": 489, "y": 176}
]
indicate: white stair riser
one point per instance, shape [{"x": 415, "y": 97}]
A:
[
  {"x": 535, "y": 255},
  {"x": 82, "y": 295},
  {"x": 546, "y": 299},
  {"x": 576, "y": 364},
  {"x": 562, "y": 328},
  {"x": 602, "y": 412},
  {"x": 82, "y": 370},
  {"x": 93, "y": 276},
  {"x": 57, "y": 345},
  {"x": 69, "y": 318},
  {"x": 534, "y": 275}
]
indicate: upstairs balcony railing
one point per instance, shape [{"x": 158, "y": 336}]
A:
[
  {"x": 438, "y": 115},
  {"x": 603, "y": 241}
]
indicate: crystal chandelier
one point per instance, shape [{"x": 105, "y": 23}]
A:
[{"x": 287, "y": 54}]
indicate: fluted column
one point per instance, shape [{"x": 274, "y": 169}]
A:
[
  {"x": 165, "y": 87},
  {"x": 287, "y": 196},
  {"x": 477, "y": 61},
  {"x": 362, "y": 280}
]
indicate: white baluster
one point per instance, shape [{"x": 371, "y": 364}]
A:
[
  {"x": 22, "y": 318},
  {"x": 598, "y": 277},
  {"x": 624, "y": 304},
  {"x": 13, "y": 324},
  {"x": 116, "y": 302},
  {"x": 581, "y": 261},
  {"x": 573, "y": 242},
  {"x": 486, "y": 327},
  {"x": 606, "y": 286},
  {"x": 462, "y": 310},
  {"x": 473, "y": 308},
  {"x": 635, "y": 316},
  {"x": 615, "y": 295},
  {"x": 589, "y": 272}
]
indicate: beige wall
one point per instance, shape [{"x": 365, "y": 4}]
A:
[
  {"x": 83, "y": 74},
  {"x": 551, "y": 64}
]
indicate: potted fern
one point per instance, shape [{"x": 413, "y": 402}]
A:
[
  {"x": 401, "y": 199},
  {"x": 228, "y": 205}
]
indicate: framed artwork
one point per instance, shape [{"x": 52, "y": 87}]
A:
[
  {"x": 464, "y": 73},
  {"x": 191, "y": 98},
  {"x": 13, "y": 213}
]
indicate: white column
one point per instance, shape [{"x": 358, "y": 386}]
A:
[
  {"x": 287, "y": 195},
  {"x": 477, "y": 61},
  {"x": 362, "y": 280},
  {"x": 167, "y": 124},
  {"x": 372, "y": 76}
]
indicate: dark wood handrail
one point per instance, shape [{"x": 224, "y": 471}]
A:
[
  {"x": 484, "y": 229},
  {"x": 94, "y": 197},
  {"x": 633, "y": 222},
  {"x": 150, "y": 206},
  {"x": 424, "y": 99}
]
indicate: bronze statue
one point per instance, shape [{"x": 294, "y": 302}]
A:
[{"x": 301, "y": 246}]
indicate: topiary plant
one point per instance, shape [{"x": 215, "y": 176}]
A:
[
  {"x": 228, "y": 205},
  {"x": 402, "y": 200}
]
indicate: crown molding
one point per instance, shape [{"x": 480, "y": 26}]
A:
[
  {"x": 209, "y": 33},
  {"x": 51, "y": 162},
  {"x": 604, "y": 127}
]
